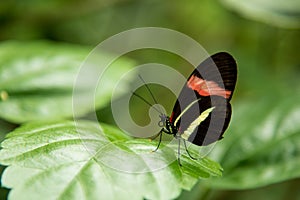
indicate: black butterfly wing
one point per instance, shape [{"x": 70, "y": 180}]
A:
[{"x": 213, "y": 83}]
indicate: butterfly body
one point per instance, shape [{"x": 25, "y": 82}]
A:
[
  {"x": 167, "y": 126},
  {"x": 202, "y": 111}
]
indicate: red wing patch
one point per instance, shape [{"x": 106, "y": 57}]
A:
[
  {"x": 207, "y": 88},
  {"x": 171, "y": 118}
]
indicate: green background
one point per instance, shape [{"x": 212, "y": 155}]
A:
[{"x": 263, "y": 36}]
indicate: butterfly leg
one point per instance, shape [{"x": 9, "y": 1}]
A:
[
  {"x": 178, "y": 153},
  {"x": 188, "y": 151},
  {"x": 158, "y": 134},
  {"x": 160, "y": 137}
]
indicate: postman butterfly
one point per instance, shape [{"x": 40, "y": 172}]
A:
[{"x": 202, "y": 111}]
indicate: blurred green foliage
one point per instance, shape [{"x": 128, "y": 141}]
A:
[
  {"x": 45, "y": 74},
  {"x": 263, "y": 36}
]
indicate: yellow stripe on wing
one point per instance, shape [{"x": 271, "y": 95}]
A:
[
  {"x": 186, "y": 134},
  {"x": 185, "y": 110}
]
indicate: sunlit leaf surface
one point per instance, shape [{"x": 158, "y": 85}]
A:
[{"x": 64, "y": 161}]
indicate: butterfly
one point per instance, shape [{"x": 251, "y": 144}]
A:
[{"x": 202, "y": 111}]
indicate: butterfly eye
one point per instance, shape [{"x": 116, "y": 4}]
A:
[{"x": 161, "y": 124}]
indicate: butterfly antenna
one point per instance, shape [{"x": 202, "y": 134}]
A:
[
  {"x": 149, "y": 92},
  {"x": 147, "y": 102}
]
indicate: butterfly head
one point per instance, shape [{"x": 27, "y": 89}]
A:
[{"x": 163, "y": 120}]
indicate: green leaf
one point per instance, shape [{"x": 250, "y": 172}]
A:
[
  {"x": 37, "y": 79},
  {"x": 88, "y": 161},
  {"x": 262, "y": 145},
  {"x": 282, "y": 13}
]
